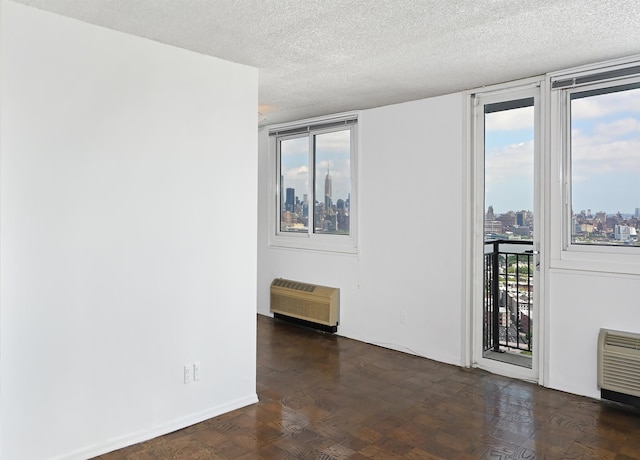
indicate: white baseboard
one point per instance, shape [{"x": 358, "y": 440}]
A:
[{"x": 165, "y": 428}]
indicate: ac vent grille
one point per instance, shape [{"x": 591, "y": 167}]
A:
[
  {"x": 280, "y": 282},
  {"x": 630, "y": 343},
  {"x": 622, "y": 371}
]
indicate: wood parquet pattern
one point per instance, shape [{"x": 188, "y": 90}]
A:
[{"x": 327, "y": 397}]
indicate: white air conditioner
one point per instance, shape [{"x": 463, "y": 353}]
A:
[
  {"x": 619, "y": 362},
  {"x": 306, "y": 302}
]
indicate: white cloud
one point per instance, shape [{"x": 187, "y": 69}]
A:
[
  {"x": 293, "y": 172},
  {"x": 617, "y": 128},
  {"x": 606, "y": 104},
  {"x": 509, "y": 120},
  {"x": 591, "y": 155},
  {"x": 337, "y": 141},
  {"x": 509, "y": 177},
  {"x": 508, "y": 162}
]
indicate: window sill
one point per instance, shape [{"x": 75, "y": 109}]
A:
[
  {"x": 598, "y": 261},
  {"x": 326, "y": 243}
]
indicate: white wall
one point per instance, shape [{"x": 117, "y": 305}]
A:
[
  {"x": 410, "y": 160},
  {"x": 411, "y": 175},
  {"x": 582, "y": 303},
  {"x": 128, "y": 228}
]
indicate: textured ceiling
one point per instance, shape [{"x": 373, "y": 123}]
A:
[{"x": 324, "y": 56}]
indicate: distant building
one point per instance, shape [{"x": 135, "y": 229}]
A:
[
  {"x": 523, "y": 231},
  {"x": 327, "y": 190},
  {"x": 287, "y": 218},
  {"x": 625, "y": 233},
  {"x": 508, "y": 219},
  {"x": 492, "y": 226},
  {"x": 290, "y": 201},
  {"x": 587, "y": 227}
]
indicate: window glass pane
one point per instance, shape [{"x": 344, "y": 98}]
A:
[
  {"x": 294, "y": 185},
  {"x": 332, "y": 182},
  {"x": 605, "y": 166},
  {"x": 509, "y": 173}
]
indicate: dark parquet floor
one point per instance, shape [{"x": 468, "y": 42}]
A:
[{"x": 327, "y": 397}]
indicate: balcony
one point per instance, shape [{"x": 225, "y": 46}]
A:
[{"x": 508, "y": 301}]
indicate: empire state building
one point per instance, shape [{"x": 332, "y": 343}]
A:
[{"x": 327, "y": 190}]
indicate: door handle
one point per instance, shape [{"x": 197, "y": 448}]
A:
[{"x": 536, "y": 253}]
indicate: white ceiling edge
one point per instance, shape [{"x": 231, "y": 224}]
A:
[{"x": 318, "y": 58}]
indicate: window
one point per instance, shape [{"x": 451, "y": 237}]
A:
[
  {"x": 602, "y": 159},
  {"x": 315, "y": 205}
]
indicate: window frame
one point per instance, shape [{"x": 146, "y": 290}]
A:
[
  {"x": 564, "y": 253},
  {"x": 310, "y": 240}
]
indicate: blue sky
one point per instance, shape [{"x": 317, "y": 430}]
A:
[{"x": 509, "y": 160}]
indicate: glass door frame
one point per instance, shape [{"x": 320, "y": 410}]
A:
[{"x": 531, "y": 88}]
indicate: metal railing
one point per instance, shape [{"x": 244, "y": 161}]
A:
[{"x": 508, "y": 295}]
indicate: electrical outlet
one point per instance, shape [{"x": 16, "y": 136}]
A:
[
  {"x": 188, "y": 370},
  {"x": 403, "y": 317},
  {"x": 196, "y": 372}
]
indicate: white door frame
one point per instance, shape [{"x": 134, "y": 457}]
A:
[{"x": 474, "y": 217}]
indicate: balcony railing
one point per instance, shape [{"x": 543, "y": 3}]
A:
[{"x": 508, "y": 295}]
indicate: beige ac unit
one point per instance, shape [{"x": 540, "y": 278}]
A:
[
  {"x": 619, "y": 362},
  {"x": 306, "y": 302}
]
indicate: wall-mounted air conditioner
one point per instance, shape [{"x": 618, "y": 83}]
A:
[
  {"x": 619, "y": 366},
  {"x": 307, "y": 303}
]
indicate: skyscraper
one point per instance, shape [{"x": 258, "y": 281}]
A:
[
  {"x": 291, "y": 200},
  {"x": 327, "y": 190}
]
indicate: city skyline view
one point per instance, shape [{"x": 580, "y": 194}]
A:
[
  {"x": 332, "y": 154},
  {"x": 324, "y": 205}
]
